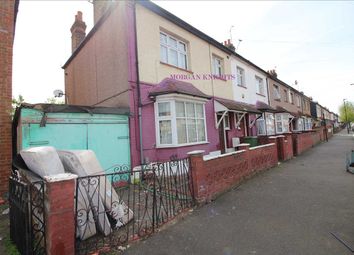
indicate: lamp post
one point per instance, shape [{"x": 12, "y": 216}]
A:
[{"x": 346, "y": 116}]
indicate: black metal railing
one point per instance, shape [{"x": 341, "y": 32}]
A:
[
  {"x": 115, "y": 208},
  {"x": 27, "y": 217}
]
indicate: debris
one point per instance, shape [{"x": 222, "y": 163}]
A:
[{"x": 6, "y": 211}]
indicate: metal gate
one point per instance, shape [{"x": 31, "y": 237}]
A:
[
  {"x": 27, "y": 222},
  {"x": 148, "y": 198}
]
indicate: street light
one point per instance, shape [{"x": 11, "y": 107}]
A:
[{"x": 346, "y": 116}]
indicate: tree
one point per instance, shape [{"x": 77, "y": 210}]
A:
[
  {"x": 54, "y": 100},
  {"x": 346, "y": 113},
  {"x": 16, "y": 102}
]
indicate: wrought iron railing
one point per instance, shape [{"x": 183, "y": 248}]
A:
[
  {"x": 27, "y": 216},
  {"x": 121, "y": 206}
]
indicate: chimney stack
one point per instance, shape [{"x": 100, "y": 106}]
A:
[
  {"x": 78, "y": 31},
  {"x": 229, "y": 45}
]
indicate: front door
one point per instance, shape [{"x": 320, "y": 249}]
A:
[{"x": 222, "y": 136}]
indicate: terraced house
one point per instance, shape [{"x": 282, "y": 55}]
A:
[
  {"x": 292, "y": 108},
  {"x": 185, "y": 90}
]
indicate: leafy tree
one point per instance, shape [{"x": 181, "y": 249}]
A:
[
  {"x": 54, "y": 100},
  {"x": 16, "y": 102},
  {"x": 346, "y": 114}
]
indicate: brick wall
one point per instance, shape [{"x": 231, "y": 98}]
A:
[
  {"x": 302, "y": 142},
  {"x": 214, "y": 176},
  {"x": 7, "y": 15}
]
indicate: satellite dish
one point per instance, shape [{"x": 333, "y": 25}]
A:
[{"x": 58, "y": 93}]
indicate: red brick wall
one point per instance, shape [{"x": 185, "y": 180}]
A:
[
  {"x": 302, "y": 142},
  {"x": 7, "y": 14},
  {"x": 215, "y": 176}
]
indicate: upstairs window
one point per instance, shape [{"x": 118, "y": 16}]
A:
[
  {"x": 297, "y": 101},
  {"x": 276, "y": 92},
  {"x": 173, "y": 51},
  {"x": 240, "y": 77},
  {"x": 259, "y": 85},
  {"x": 286, "y": 97},
  {"x": 291, "y": 97},
  {"x": 217, "y": 66}
]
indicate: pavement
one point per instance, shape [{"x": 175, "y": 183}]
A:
[{"x": 290, "y": 209}]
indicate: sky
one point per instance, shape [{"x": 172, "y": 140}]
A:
[{"x": 311, "y": 42}]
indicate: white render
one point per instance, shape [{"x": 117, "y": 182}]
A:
[{"x": 249, "y": 94}]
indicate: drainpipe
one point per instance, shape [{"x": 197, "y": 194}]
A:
[{"x": 138, "y": 90}]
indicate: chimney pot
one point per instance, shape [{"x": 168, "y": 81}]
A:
[{"x": 228, "y": 41}]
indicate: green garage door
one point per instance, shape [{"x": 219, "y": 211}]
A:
[{"x": 106, "y": 134}]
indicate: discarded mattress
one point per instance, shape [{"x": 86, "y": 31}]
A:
[
  {"x": 43, "y": 161},
  {"x": 84, "y": 163}
]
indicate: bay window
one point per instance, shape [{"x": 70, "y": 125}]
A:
[
  {"x": 173, "y": 51},
  {"x": 281, "y": 123},
  {"x": 265, "y": 126},
  {"x": 180, "y": 122}
]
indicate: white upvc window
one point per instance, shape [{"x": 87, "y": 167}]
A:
[
  {"x": 259, "y": 85},
  {"x": 227, "y": 122},
  {"x": 276, "y": 92},
  {"x": 297, "y": 101},
  {"x": 291, "y": 97},
  {"x": 180, "y": 122},
  {"x": 281, "y": 123},
  {"x": 308, "y": 123},
  {"x": 240, "y": 77},
  {"x": 299, "y": 124},
  {"x": 260, "y": 124},
  {"x": 217, "y": 66},
  {"x": 173, "y": 51},
  {"x": 270, "y": 123}
]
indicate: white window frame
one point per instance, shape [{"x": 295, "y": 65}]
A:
[
  {"x": 269, "y": 122},
  {"x": 218, "y": 65},
  {"x": 178, "y": 50},
  {"x": 261, "y": 121},
  {"x": 226, "y": 121},
  {"x": 260, "y": 85},
  {"x": 240, "y": 76},
  {"x": 298, "y": 104},
  {"x": 284, "y": 120},
  {"x": 238, "y": 117},
  {"x": 172, "y": 99},
  {"x": 276, "y": 90}
]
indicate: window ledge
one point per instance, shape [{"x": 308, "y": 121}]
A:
[
  {"x": 161, "y": 146},
  {"x": 178, "y": 68},
  {"x": 260, "y": 95},
  {"x": 277, "y": 99},
  {"x": 242, "y": 86}
]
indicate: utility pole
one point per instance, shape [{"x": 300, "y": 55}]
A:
[{"x": 346, "y": 116}]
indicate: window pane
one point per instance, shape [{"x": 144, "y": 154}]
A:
[
  {"x": 200, "y": 111},
  {"x": 172, "y": 57},
  {"x": 181, "y": 131},
  {"x": 164, "y": 109},
  {"x": 181, "y": 47},
  {"x": 190, "y": 110},
  {"x": 165, "y": 132},
  {"x": 182, "y": 61},
  {"x": 201, "y": 130},
  {"x": 172, "y": 42},
  {"x": 180, "y": 109},
  {"x": 163, "y": 54},
  {"x": 163, "y": 38},
  {"x": 192, "y": 132}
]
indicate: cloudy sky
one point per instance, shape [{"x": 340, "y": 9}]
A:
[{"x": 311, "y": 42}]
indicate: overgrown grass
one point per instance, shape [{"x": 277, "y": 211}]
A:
[{"x": 6, "y": 246}]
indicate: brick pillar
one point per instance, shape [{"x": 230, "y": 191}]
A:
[
  {"x": 60, "y": 214},
  {"x": 198, "y": 176},
  {"x": 7, "y": 25},
  {"x": 273, "y": 139}
]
